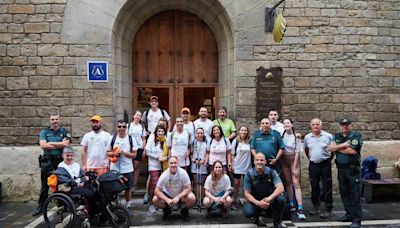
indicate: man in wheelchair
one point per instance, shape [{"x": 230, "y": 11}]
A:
[{"x": 72, "y": 181}]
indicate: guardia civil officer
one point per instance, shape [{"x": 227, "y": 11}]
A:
[
  {"x": 347, "y": 147},
  {"x": 52, "y": 140},
  {"x": 263, "y": 190}
]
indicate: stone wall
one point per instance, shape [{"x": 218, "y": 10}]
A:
[
  {"x": 339, "y": 58},
  {"x": 20, "y": 175}
]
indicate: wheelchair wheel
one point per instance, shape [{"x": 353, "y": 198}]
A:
[
  {"x": 59, "y": 211},
  {"x": 120, "y": 217}
]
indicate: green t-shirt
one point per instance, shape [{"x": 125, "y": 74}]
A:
[{"x": 227, "y": 126}]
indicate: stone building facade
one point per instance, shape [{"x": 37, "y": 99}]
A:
[{"x": 338, "y": 57}]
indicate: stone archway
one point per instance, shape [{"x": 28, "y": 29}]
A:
[{"x": 134, "y": 14}]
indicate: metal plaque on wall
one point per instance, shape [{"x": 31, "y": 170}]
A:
[{"x": 268, "y": 91}]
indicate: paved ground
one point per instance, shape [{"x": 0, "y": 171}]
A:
[{"x": 382, "y": 214}]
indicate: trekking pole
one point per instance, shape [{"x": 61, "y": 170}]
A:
[{"x": 199, "y": 185}]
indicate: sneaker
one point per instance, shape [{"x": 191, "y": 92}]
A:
[
  {"x": 315, "y": 211},
  {"x": 152, "y": 209},
  {"x": 167, "y": 212},
  {"x": 325, "y": 214},
  {"x": 185, "y": 214},
  {"x": 146, "y": 199},
  {"x": 292, "y": 208},
  {"x": 301, "y": 215},
  {"x": 129, "y": 204},
  {"x": 37, "y": 211},
  {"x": 234, "y": 206}
]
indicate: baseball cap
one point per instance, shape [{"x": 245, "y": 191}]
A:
[
  {"x": 97, "y": 118},
  {"x": 345, "y": 121},
  {"x": 153, "y": 98},
  {"x": 68, "y": 149},
  {"x": 185, "y": 109}
]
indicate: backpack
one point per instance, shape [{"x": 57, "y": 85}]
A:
[
  {"x": 147, "y": 112},
  {"x": 369, "y": 167},
  {"x": 113, "y": 141},
  {"x": 226, "y": 144},
  {"x": 189, "y": 138}
]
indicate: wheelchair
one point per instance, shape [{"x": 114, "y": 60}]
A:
[{"x": 64, "y": 209}]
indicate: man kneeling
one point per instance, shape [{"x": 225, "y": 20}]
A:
[
  {"x": 173, "y": 187},
  {"x": 263, "y": 190}
]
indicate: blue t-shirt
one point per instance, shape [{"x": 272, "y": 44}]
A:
[
  {"x": 49, "y": 135},
  {"x": 267, "y": 143}
]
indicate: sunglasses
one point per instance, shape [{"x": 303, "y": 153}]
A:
[{"x": 121, "y": 126}]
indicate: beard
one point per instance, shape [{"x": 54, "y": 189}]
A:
[{"x": 96, "y": 128}]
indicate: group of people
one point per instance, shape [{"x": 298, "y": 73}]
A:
[{"x": 203, "y": 153}]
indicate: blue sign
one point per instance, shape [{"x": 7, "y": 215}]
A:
[{"x": 97, "y": 71}]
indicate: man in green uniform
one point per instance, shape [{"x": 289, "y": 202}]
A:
[
  {"x": 52, "y": 140},
  {"x": 347, "y": 147}
]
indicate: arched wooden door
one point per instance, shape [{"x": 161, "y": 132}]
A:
[{"x": 175, "y": 57}]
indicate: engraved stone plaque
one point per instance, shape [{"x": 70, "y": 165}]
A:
[{"x": 268, "y": 91}]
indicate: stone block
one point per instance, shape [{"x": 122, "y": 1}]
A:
[
  {"x": 52, "y": 50},
  {"x": 47, "y": 70},
  {"x": 244, "y": 53},
  {"x": 5, "y": 111},
  {"x": 15, "y": 28},
  {"x": 36, "y": 18},
  {"x": 5, "y": 38},
  {"x": 394, "y": 98},
  {"x": 246, "y": 96},
  {"x": 61, "y": 83},
  {"x": 50, "y": 38},
  {"x": 10, "y": 71},
  {"x": 52, "y": 60},
  {"x": 25, "y": 111},
  {"x": 299, "y": 21},
  {"x": 393, "y": 72},
  {"x": 13, "y": 50},
  {"x": 102, "y": 97},
  {"x": 28, "y": 70},
  {"x": 245, "y": 82},
  {"x": 20, "y": 61},
  {"x": 57, "y": 8},
  {"x": 45, "y": 111},
  {"x": 37, "y": 27},
  {"x": 19, "y": 8},
  {"x": 34, "y": 60},
  {"x": 66, "y": 70},
  {"x": 307, "y": 98},
  {"x": 39, "y": 82},
  {"x": 79, "y": 50},
  {"x": 28, "y": 49},
  {"x": 302, "y": 82},
  {"x": 17, "y": 83}
]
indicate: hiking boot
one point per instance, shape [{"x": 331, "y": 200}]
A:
[
  {"x": 255, "y": 220},
  {"x": 146, "y": 198},
  {"x": 277, "y": 224},
  {"x": 185, "y": 214},
  {"x": 325, "y": 214},
  {"x": 37, "y": 211},
  {"x": 167, "y": 212},
  {"x": 355, "y": 224},
  {"x": 315, "y": 211},
  {"x": 301, "y": 215},
  {"x": 208, "y": 213},
  {"x": 224, "y": 213}
]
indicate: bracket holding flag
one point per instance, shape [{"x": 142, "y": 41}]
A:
[
  {"x": 274, "y": 22},
  {"x": 97, "y": 71}
]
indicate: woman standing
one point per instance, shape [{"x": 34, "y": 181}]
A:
[
  {"x": 199, "y": 168},
  {"x": 138, "y": 133},
  {"x": 217, "y": 190},
  {"x": 291, "y": 166},
  {"x": 242, "y": 160},
  {"x": 219, "y": 149},
  {"x": 154, "y": 151}
]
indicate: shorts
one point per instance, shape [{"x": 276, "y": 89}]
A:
[
  {"x": 129, "y": 176},
  {"x": 238, "y": 176},
  {"x": 139, "y": 155}
]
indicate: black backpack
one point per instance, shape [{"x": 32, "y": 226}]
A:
[
  {"x": 369, "y": 167},
  {"x": 113, "y": 141}
]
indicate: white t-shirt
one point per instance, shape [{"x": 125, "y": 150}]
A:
[
  {"x": 292, "y": 144},
  {"x": 179, "y": 143},
  {"x": 218, "y": 150},
  {"x": 96, "y": 149},
  {"x": 124, "y": 164},
  {"x": 206, "y": 125},
  {"x": 173, "y": 184},
  {"x": 153, "y": 153},
  {"x": 242, "y": 160},
  {"x": 137, "y": 131},
  {"x": 74, "y": 170},
  {"x": 223, "y": 185},
  {"x": 189, "y": 127},
  {"x": 278, "y": 127},
  {"x": 199, "y": 152},
  {"x": 153, "y": 118}
]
